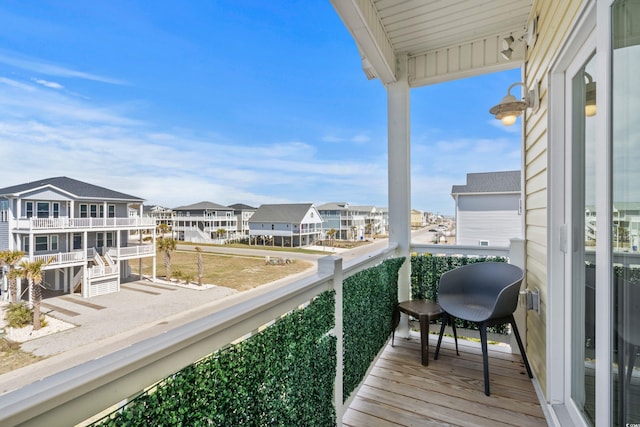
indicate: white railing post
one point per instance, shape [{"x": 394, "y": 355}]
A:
[{"x": 333, "y": 265}]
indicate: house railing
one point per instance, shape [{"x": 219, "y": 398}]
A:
[
  {"x": 60, "y": 258},
  {"x": 463, "y": 250},
  {"x": 79, "y": 223},
  {"x": 81, "y": 392},
  {"x": 131, "y": 251},
  {"x": 102, "y": 271}
]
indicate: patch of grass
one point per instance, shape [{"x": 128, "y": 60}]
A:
[
  {"x": 233, "y": 271},
  {"x": 260, "y": 247},
  {"x": 344, "y": 244},
  {"x": 13, "y": 357}
]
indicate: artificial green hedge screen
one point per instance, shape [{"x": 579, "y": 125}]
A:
[
  {"x": 369, "y": 299},
  {"x": 425, "y": 276},
  {"x": 282, "y": 376}
]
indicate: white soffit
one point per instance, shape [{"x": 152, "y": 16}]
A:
[{"x": 443, "y": 39}]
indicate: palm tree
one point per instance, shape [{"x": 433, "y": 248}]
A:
[
  {"x": 11, "y": 259},
  {"x": 163, "y": 229},
  {"x": 331, "y": 233},
  {"x": 200, "y": 265},
  {"x": 167, "y": 245},
  {"x": 220, "y": 232},
  {"x": 32, "y": 272}
]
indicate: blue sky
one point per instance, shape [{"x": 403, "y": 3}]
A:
[{"x": 227, "y": 101}]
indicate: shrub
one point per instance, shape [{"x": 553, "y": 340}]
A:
[{"x": 18, "y": 315}]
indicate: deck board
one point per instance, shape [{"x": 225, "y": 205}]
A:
[{"x": 399, "y": 391}]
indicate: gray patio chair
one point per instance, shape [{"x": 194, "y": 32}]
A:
[
  {"x": 628, "y": 331},
  {"x": 485, "y": 293}
]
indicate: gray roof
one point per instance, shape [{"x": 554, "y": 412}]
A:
[
  {"x": 242, "y": 207},
  {"x": 202, "y": 206},
  {"x": 75, "y": 188},
  {"x": 333, "y": 206},
  {"x": 282, "y": 213},
  {"x": 362, "y": 208},
  {"x": 490, "y": 182}
]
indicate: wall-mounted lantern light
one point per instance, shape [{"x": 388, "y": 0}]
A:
[{"x": 510, "y": 108}]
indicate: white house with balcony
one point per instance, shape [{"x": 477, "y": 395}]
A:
[
  {"x": 205, "y": 222},
  {"x": 488, "y": 209},
  {"x": 81, "y": 229},
  {"x": 287, "y": 224},
  {"x": 375, "y": 218},
  {"x": 243, "y": 213},
  {"x": 348, "y": 222}
]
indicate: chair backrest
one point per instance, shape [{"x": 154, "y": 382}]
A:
[
  {"x": 492, "y": 285},
  {"x": 628, "y": 310}
]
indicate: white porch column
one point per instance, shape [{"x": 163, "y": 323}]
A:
[
  {"x": 85, "y": 267},
  {"x": 398, "y": 109}
]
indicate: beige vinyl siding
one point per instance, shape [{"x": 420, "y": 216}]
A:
[{"x": 555, "y": 19}]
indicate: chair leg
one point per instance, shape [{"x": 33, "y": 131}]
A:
[
  {"x": 622, "y": 386},
  {"x": 519, "y": 340},
  {"x": 633, "y": 349},
  {"x": 455, "y": 333},
  {"x": 445, "y": 319},
  {"x": 485, "y": 356}
]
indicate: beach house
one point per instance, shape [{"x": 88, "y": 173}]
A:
[
  {"x": 82, "y": 231},
  {"x": 205, "y": 222},
  {"x": 488, "y": 209},
  {"x": 286, "y": 224}
]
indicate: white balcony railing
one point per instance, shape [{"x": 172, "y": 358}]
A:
[
  {"x": 60, "y": 258},
  {"x": 102, "y": 271},
  {"x": 465, "y": 250},
  {"x": 80, "y": 392},
  {"x": 80, "y": 223},
  {"x": 74, "y": 395},
  {"x": 131, "y": 251}
]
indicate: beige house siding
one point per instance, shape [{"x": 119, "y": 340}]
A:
[{"x": 555, "y": 19}]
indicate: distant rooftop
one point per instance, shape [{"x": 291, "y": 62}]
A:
[
  {"x": 242, "y": 207},
  {"x": 73, "y": 187},
  {"x": 203, "y": 206},
  {"x": 291, "y": 213},
  {"x": 489, "y": 182}
]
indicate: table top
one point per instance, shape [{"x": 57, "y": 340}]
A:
[{"x": 421, "y": 306}]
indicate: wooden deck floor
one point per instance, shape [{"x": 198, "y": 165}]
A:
[{"x": 450, "y": 391}]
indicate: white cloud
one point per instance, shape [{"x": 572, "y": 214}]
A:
[
  {"x": 54, "y": 134},
  {"x": 358, "y": 138},
  {"x": 16, "y": 84},
  {"x": 42, "y": 67},
  {"x": 51, "y": 85}
]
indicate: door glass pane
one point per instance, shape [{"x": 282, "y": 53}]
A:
[
  {"x": 626, "y": 211},
  {"x": 583, "y": 339}
]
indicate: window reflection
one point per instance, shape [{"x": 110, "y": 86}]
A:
[{"x": 626, "y": 210}]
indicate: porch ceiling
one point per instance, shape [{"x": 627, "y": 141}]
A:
[{"x": 442, "y": 39}]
